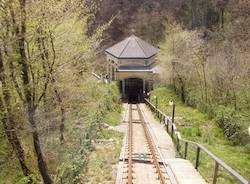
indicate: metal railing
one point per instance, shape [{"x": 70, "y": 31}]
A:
[{"x": 176, "y": 136}]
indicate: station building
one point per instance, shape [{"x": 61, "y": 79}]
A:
[{"x": 132, "y": 63}]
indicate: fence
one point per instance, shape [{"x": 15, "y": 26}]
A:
[{"x": 184, "y": 148}]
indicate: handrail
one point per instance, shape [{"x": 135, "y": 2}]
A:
[{"x": 175, "y": 133}]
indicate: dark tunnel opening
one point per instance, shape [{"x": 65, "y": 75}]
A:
[{"x": 133, "y": 92}]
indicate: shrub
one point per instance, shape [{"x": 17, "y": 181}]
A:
[
  {"x": 231, "y": 125},
  {"x": 248, "y": 148},
  {"x": 99, "y": 100}
]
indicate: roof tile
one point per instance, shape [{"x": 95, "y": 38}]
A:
[{"x": 132, "y": 47}]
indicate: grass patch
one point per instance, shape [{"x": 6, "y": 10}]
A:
[
  {"x": 195, "y": 125},
  {"x": 108, "y": 134},
  {"x": 102, "y": 160},
  {"x": 113, "y": 118}
]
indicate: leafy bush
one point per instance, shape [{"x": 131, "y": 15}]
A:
[
  {"x": 248, "y": 148},
  {"x": 231, "y": 125},
  {"x": 100, "y": 99},
  {"x": 26, "y": 180}
]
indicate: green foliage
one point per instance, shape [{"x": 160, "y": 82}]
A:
[
  {"x": 112, "y": 118},
  {"x": 191, "y": 114},
  {"x": 191, "y": 132},
  {"x": 26, "y": 180},
  {"x": 189, "y": 59},
  {"x": 231, "y": 125},
  {"x": 101, "y": 100},
  {"x": 195, "y": 125},
  {"x": 247, "y": 148},
  {"x": 59, "y": 55},
  {"x": 103, "y": 158},
  {"x": 108, "y": 134},
  {"x": 70, "y": 172}
]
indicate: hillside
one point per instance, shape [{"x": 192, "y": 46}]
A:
[
  {"x": 205, "y": 60},
  {"x": 51, "y": 108},
  {"x": 145, "y": 17},
  {"x": 58, "y": 122}
]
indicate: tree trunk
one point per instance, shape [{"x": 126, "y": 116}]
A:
[
  {"x": 205, "y": 82},
  {"x": 36, "y": 141},
  {"x": 45, "y": 57},
  {"x": 183, "y": 95},
  {"x": 205, "y": 14},
  {"x": 59, "y": 99},
  {"x": 29, "y": 100},
  {"x": 193, "y": 14},
  {"x": 235, "y": 99},
  {"x": 222, "y": 18},
  {"x": 173, "y": 77},
  {"x": 9, "y": 123}
]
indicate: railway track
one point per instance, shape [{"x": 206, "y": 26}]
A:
[{"x": 136, "y": 122}]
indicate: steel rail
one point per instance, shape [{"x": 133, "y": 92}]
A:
[
  {"x": 130, "y": 147},
  {"x": 125, "y": 142},
  {"x": 172, "y": 180},
  {"x": 151, "y": 146}
]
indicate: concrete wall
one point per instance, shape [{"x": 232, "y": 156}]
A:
[{"x": 114, "y": 74}]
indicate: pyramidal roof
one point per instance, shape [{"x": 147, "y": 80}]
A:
[{"x": 132, "y": 47}]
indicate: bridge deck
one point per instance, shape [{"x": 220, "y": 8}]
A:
[
  {"x": 184, "y": 172},
  {"x": 178, "y": 170}
]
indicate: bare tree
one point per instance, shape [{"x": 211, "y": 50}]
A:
[{"x": 8, "y": 120}]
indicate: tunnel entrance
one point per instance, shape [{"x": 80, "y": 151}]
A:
[{"x": 134, "y": 90}]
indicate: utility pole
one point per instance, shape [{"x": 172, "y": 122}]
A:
[
  {"x": 173, "y": 113},
  {"x": 172, "y": 103}
]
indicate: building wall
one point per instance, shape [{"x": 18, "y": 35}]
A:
[
  {"x": 129, "y": 74},
  {"x": 131, "y": 62},
  {"x": 146, "y": 76}
]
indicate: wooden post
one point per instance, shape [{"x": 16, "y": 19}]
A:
[
  {"x": 156, "y": 106},
  {"x": 178, "y": 143},
  {"x": 173, "y": 113},
  {"x": 197, "y": 157},
  {"x": 172, "y": 130},
  {"x": 186, "y": 150},
  {"x": 156, "y": 103},
  {"x": 216, "y": 169},
  {"x": 167, "y": 125}
]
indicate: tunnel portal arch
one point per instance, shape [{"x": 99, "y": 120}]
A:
[{"x": 132, "y": 62}]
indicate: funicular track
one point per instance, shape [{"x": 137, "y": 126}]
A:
[{"x": 153, "y": 154}]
